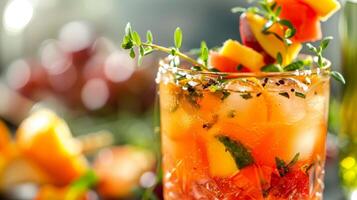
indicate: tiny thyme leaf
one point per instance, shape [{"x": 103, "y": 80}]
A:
[
  {"x": 136, "y": 38},
  {"x": 325, "y": 42},
  {"x": 271, "y": 68},
  {"x": 284, "y": 168},
  {"x": 311, "y": 47},
  {"x": 238, "y": 10},
  {"x": 279, "y": 58},
  {"x": 178, "y": 38},
  {"x": 241, "y": 154},
  {"x": 204, "y": 53},
  {"x": 294, "y": 160},
  {"x": 225, "y": 95},
  {"x": 149, "y": 37},
  {"x": 338, "y": 77},
  {"x": 246, "y": 96},
  {"x": 128, "y": 30},
  {"x": 132, "y": 53},
  {"x": 284, "y": 94},
  {"x": 295, "y": 66},
  {"x": 301, "y": 95}
]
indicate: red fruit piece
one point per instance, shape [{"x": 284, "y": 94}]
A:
[
  {"x": 249, "y": 40},
  {"x": 304, "y": 18},
  {"x": 225, "y": 64},
  {"x": 222, "y": 63},
  {"x": 294, "y": 185}
]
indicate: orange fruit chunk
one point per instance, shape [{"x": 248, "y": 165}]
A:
[
  {"x": 244, "y": 55},
  {"x": 271, "y": 44},
  {"x": 46, "y": 140},
  {"x": 324, "y": 9}
]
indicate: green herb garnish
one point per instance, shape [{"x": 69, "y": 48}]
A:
[
  {"x": 284, "y": 168},
  {"x": 284, "y": 94},
  {"x": 320, "y": 60},
  {"x": 246, "y": 96},
  {"x": 239, "y": 152},
  {"x": 301, "y": 95},
  {"x": 319, "y": 50},
  {"x": 132, "y": 40},
  {"x": 272, "y": 68}
]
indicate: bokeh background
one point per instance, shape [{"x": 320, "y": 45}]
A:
[{"x": 66, "y": 55}]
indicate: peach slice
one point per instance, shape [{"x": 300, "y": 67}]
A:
[
  {"x": 326, "y": 9},
  {"x": 246, "y": 56},
  {"x": 221, "y": 162},
  {"x": 271, "y": 44},
  {"x": 45, "y": 139}
]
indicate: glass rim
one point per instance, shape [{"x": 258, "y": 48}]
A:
[{"x": 304, "y": 72}]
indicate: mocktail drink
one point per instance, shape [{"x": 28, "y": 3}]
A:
[{"x": 243, "y": 136}]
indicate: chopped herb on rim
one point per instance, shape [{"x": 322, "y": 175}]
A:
[
  {"x": 284, "y": 94},
  {"x": 246, "y": 96}
]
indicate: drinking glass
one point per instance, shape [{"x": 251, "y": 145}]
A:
[{"x": 243, "y": 135}]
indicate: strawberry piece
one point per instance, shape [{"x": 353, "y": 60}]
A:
[{"x": 294, "y": 185}]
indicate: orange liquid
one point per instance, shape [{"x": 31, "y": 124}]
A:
[{"x": 259, "y": 116}]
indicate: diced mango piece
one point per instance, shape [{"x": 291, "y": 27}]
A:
[
  {"x": 244, "y": 55},
  {"x": 324, "y": 9},
  {"x": 221, "y": 162},
  {"x": 271, "y": 44}
]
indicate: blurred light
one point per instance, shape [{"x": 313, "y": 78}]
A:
[
  {"x": 18, "y": 74},
  {"x": 348, "y": 162},
  {"x": 53, "y": 58},
  {"x": 103, "y": 45},
  {"x": 95, "y": 94},
  {"x": 119, "y": 67},
  {"x": 17, "y": 15},
  {"x": 76, "y": 36},
  {"x": 148, "y": 179},
  {"x": 354, "y": 195}
]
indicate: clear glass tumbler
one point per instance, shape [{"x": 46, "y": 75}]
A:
[{"x": 243, "y": 135}]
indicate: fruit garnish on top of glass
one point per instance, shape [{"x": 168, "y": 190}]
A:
[{"x": 247, "y": 120}]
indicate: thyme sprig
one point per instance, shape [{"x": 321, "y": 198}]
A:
[
  {"x": 320, "y": 59},
  {"x": 132, "y": 41}
]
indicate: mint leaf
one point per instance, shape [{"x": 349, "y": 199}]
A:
[{"x": 239, "y": 152}]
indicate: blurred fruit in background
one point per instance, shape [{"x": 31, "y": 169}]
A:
[
  {"x": 84, "y": 72},
  {"x": 123, "y": 169},
  {"x": 46, "y": 140}
]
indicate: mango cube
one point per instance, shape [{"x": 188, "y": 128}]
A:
[{"x": 244, "y": 55}]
